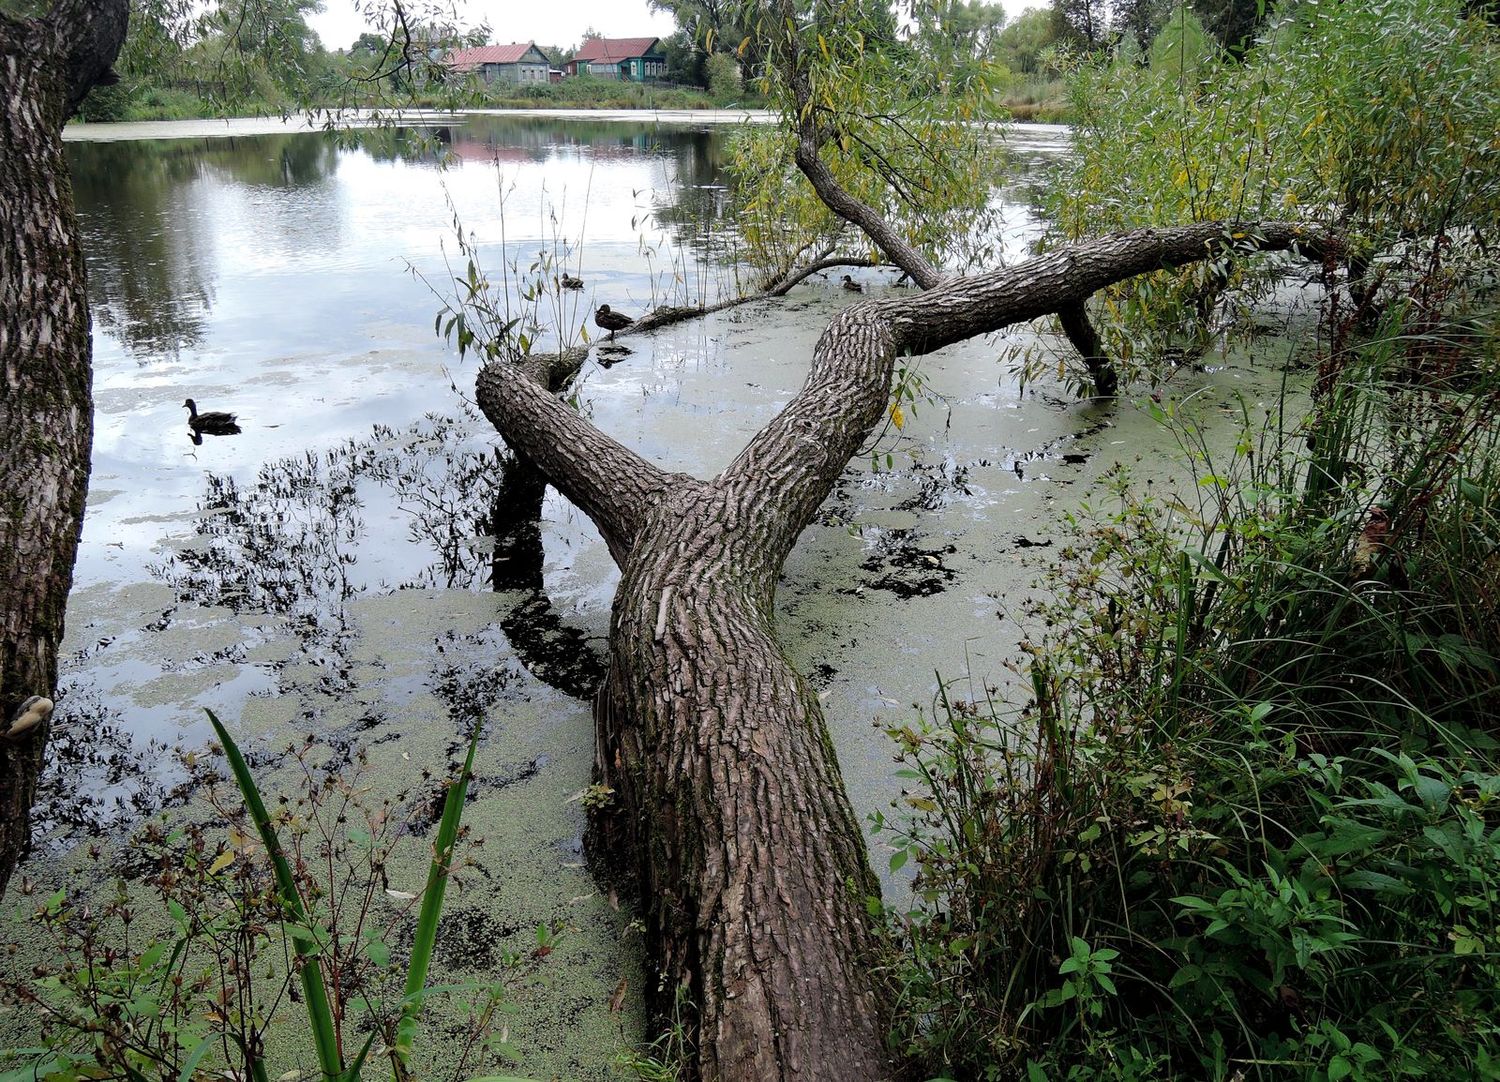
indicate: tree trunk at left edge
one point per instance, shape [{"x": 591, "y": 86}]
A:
[{"x": 47, "y": 65}]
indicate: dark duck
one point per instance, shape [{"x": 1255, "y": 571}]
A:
[
  {"x": 852, "y": 286},
  {"x": 214, "y": 423},
  {"x": 570, "y": 282},
  {"x": 611, "y": 321}
]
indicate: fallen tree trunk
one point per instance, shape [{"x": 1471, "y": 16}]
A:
[{"x": 727, "y": 800}]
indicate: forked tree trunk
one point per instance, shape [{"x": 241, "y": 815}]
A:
[
  {"x": 47, "y": 65},
  {"x": 727, "y": 802}
]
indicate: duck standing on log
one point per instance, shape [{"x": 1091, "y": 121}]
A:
[
  {"x": 611, "y": 321},
  {"x": 215, "y": 422}
]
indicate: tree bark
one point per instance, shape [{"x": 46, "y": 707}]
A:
[
  {"x": 1082, "y": 336},
  {"x": 727, "y": 799},
  {"x": 47, "y": 66}
]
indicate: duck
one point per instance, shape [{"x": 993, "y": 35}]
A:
[
  {"x": 611, "y": 321},
  {"x": 215, "y": 422},
  {"x": 852, "y": 286},
  {"x": 570, "y": 282}
]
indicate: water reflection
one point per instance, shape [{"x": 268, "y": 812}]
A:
[
  {"x": 295, "y": 543},
  {"x": 149, "y": 219},
  {"x": 150, "y": 277},
  {"x": 169, "y": 224}
]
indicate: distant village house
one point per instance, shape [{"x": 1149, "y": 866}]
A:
[
  {"x": 521, "y": 62},
  {"x": 636, "y": 60}
]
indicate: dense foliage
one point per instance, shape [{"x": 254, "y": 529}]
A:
[
  {"x": 1376, "y": 120},
  {"x": 1248, "y": 824}
]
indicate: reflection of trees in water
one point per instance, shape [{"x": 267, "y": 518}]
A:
[
  {"x": 695, "y": 209},
  {"x": 149, "y": 267},
  {"x": 289, "y": 544},
  {"x": 290, "y": 161},
  {"x": 285, "y": 546},
  {"x": 692, "y": 205},
  {"x": 148, "y": 241},
  {"x": 99, "y": 777},
  {"x": 447, "y": 491}
]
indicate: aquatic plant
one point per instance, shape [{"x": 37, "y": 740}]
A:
[{"x": 294, "y": 905}]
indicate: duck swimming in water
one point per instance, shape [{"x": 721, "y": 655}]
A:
[
  {"x": 215, "y": 422},
  {"x": 570, "y": 282},
  {"x": 611, "y": 321},
  {"x": 852, "y": 286}
]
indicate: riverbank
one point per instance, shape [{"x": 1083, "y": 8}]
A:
[
  {"x": 364, "y": 118},
  {"x": 1028, "y": 113}
]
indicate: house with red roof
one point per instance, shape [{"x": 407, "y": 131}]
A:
[
  {"x": 521, "y": 62},
  {"x": 636, "y": 60}
]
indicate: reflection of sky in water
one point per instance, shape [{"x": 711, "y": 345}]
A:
[
  {"x": 275, "y": 285},
  {"x": 279, "y": 265}
]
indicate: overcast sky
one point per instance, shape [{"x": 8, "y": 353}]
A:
[{"x": 546, "y": 22}]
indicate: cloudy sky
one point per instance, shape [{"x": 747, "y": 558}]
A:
[{"x": 546, "y": 22}]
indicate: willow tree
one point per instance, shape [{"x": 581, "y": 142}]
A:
[
  {"x": 48, "y": 63},
  {"x": 726, "y": 797}
]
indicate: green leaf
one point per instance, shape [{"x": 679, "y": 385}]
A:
[
  {"x": 194, "y": 1058},
  {"x": 314, "y": 993},
  {"x": 432, "y": 899},
  {"x": 378, "y": 953},
  {"x": 1379, "y": 882}
]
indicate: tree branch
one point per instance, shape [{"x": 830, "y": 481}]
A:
[
  {"x": 847, "y": 389},
  {"x": 1081, "y": 333},
  {"x": 859, "y": 213},
  {"x": 610, "y": 483},
  {"x": 810, "y": 139},
  {"x": 965, "y": 307}
]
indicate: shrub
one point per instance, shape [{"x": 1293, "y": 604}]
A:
[
  {"x": 723, "y": 74},
  {"x": 1249, "y": 823},
  {"x": 1375, "y": 120}
]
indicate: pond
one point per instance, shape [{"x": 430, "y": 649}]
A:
[{"x": 327, "y": 570}]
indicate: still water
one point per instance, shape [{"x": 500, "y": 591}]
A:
[
  {"x": 293, "y": 279},
  {"x": 326, "y": 570}
]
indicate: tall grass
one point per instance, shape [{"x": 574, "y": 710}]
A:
[
  {"x": 246, "y": 920},
  {"x": 1248, "y": 824}
]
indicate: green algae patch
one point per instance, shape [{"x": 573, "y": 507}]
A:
[{"x": 394, "y": 704}]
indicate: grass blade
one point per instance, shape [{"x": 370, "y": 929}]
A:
[
  {"x": 432, "y": 900},
  {"x": 319, "y": 1016}
]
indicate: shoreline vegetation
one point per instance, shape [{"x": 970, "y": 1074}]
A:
[{"x": 1244, "y": 819}]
